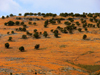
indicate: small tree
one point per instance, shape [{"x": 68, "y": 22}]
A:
[
  {"x": 51, "y": 30},
  {"x": 56, "y": 35},
  {"x": 36, "y": 35},
  {"x": 7, "y": 32},
  {"x": 23, "y": 29},
  {"x": 35, "y": 30},
  {"x": 45, "y": 25},
  {"x": 84, "y": 36},
  {"x": 3, "y": 17},
  {"x": 45, "y": 34},
  {"x": 12, "y": 32},
  {"x": 7, "y": 45},
  {"x": 58, "y": 21},
  {"x": 37, "y": 46},
  {"x": 20, "y": 14},
  {"x": 10, "y": 39},
  {"x": 5, "y": 24},
  {"x": 21, "y": 48},
  {"x": 22, "y": 23},
  {"x": 24, "y": 36},
  {"x": 86, "y": 29},
  {"x": 11, "y": 23},
  {"x": 79, "y": 29},
  {"x": 17, "y": 22},
  {"x": 29, "y": 23},
  {"x": 34, "y": 23}
]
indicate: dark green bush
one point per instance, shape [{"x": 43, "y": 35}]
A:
[
  {"x": 7, "y": 32},
  {"x": 37, "y": 46},
  {"x": 79, "y": 29},
  {"x": 5, "y": 24},
  {"x": 59, "y": 21},
  {"x": 10, "y": 39},
  {"x": 10, "y": 23},
  {"x": 84, "y": 36},
  {"x": 51, "y": 30},
  {"x": 23, "y": 29},
  {"x": 30, "y": 23},
  {"x": 21, "y": 48},
  {"x": 36, "y": 35},
  {"x": 12, "y": 32},
  {"x": 86, "y": 29},
  {"x": 56, "y": 34},
  {"x": 7, "y": 45},
  {"x": 35, "y": 30},
  {"x": 45, "y": 34},
  {"x": 3, "y": 17},
  {"x": 34, "y": 23},
  {"x": 22, "y": 23},
  {"x": 45, "y": 25},
  {"x": 24, "y": 36},
  {"x": 17, "y": 22}
]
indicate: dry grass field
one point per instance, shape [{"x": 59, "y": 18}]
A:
[{"x": 69, "y": 54}]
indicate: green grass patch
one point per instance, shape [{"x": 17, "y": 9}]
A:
[
  {"x": 63, "y": 46},
  {"x": 89, "y": 68}
]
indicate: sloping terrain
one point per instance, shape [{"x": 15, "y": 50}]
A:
[{"x": 69, "y": 54}]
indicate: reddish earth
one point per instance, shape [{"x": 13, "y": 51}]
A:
[{"x": 55, "y": 55}]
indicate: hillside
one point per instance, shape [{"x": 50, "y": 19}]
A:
[{"x": 61, "y": 52}]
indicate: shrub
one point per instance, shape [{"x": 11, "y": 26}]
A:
[
  {"x": 20, "y": 29},
  {"x": 79, "y": 29},
  {"x": 46, "y": 22},
  {"x": 36, "y": 35},
  {"x": 17, "y": 23},
  {"x": 40, "y": 32},
  {"x": 10, "y": 23},
  {"x": 7, "y": 45},
  {"x": 37, "y": 46},
  {"x": 12, "y": 32},
  {"x": 22, "y": 23},
  {"x": 91, "y": 19},
  {"x": 67, "y": 23},
  {"x": 98, "y": 25},
  {"x": 64, "y": 31},
  {"x": 30, "y": 23},
  {"x": 84, "y": 36},
  {"x": 5, "y": 24},
  {"x": 23, "y": 29},
  {"x": 24, "y": 26},
  {"x": 56, "y": 31},
  {"x": 7, "y": 16},
  {"x": 34, "y": 23},
  {"x": 3, "y": 17},
  {"x": 58, "y": 27},
  {"x": 20, "y": 14},
  {"x": 77, "y": 23},
  {"x": 24, "y": 36},
  {"x": 45, "y": 25},
  {"x": 35, "y": 30},
  {"x": 58, "y": 21},
  {"x": 45, "y": 34},
  {"x": 11, "y": 74},
  {"x": 10, "y": 39},
  {"x": 21, "y": 48},
  {"x": 7, "y": 32},
  {"x": 85, "y": 29},
  {"x": 56, "y": 34},
  {"x": 51, "y": 30}
]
